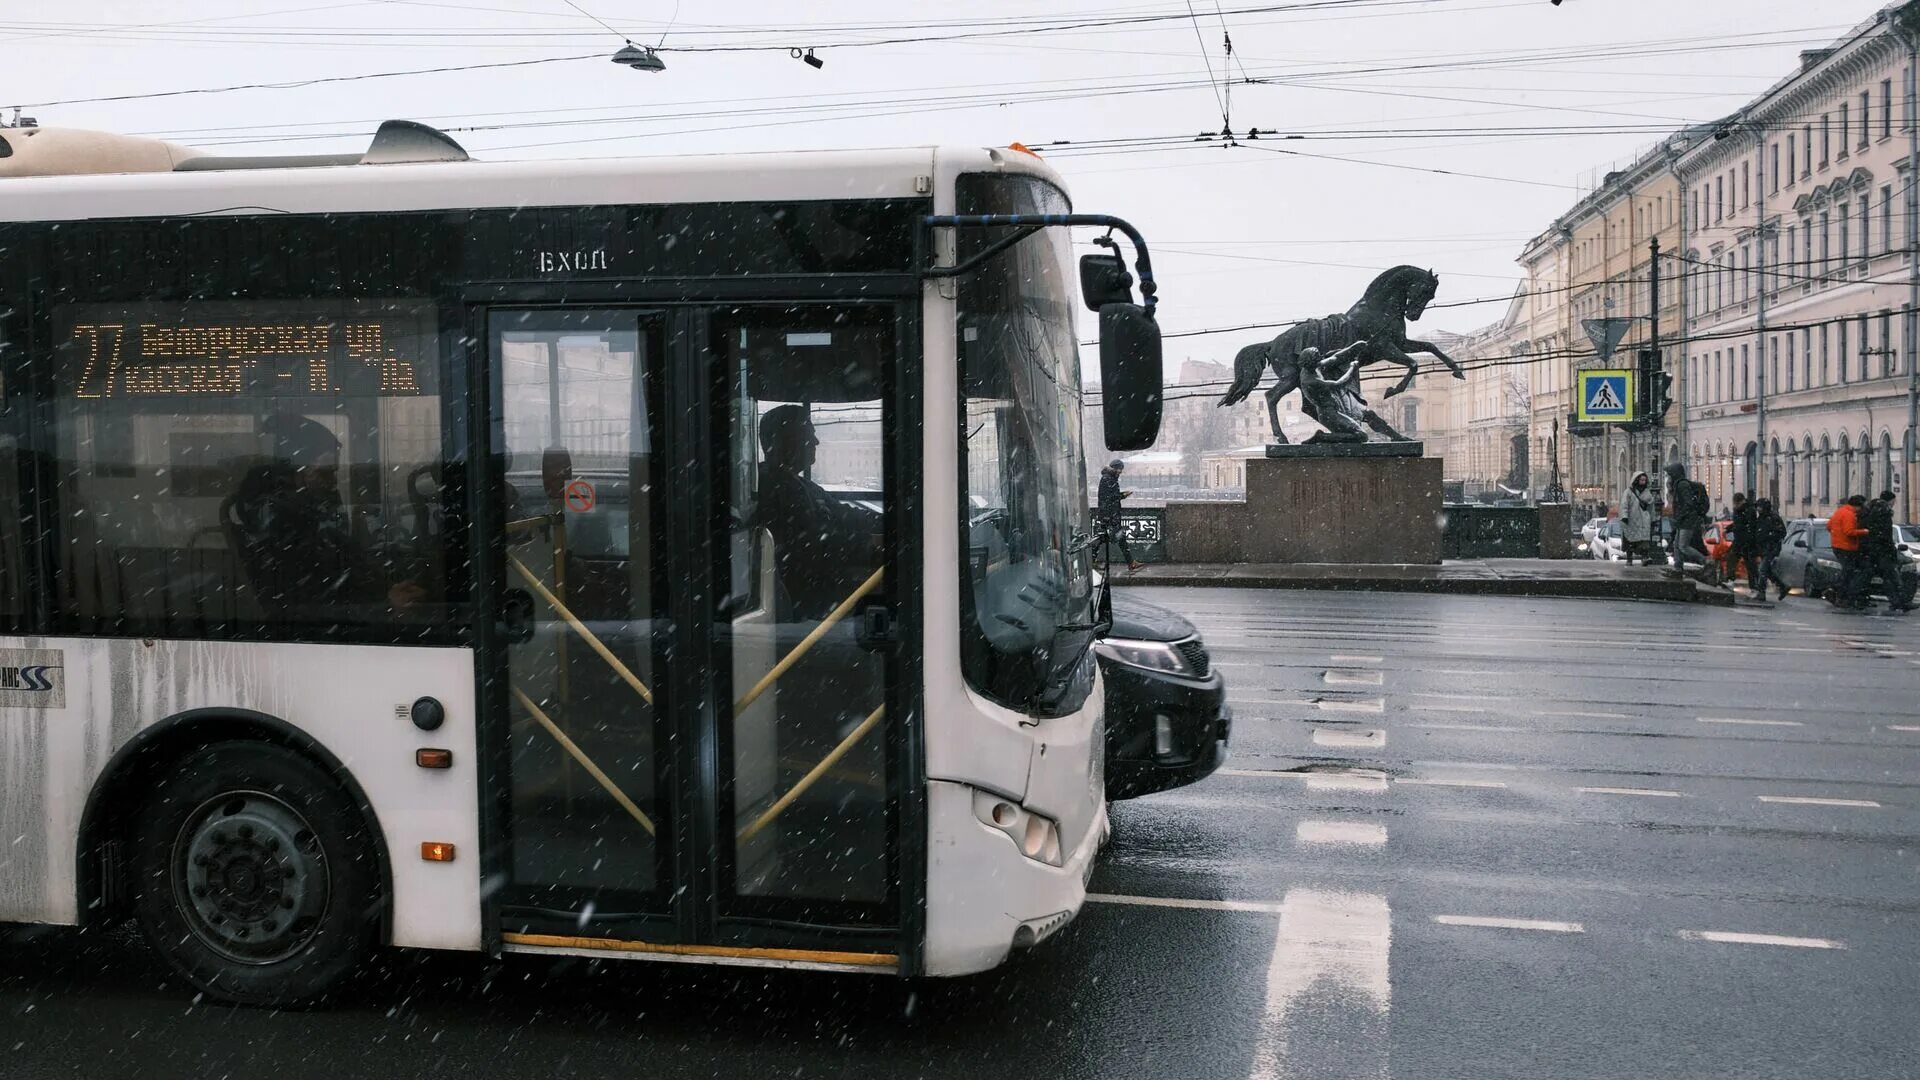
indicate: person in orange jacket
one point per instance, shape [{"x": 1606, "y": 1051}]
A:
[{"x": 1848, "y": 537}]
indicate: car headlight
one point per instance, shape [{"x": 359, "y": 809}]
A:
[
  {"x": 1152, "y": 655},
  {"x": 1827, "y": 564},
  {"x": 1582, "y": 546}
]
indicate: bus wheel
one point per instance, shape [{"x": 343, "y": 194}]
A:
[{"x": 257, "y": 877}]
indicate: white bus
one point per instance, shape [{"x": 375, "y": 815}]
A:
[{"x": 672, "y": 558}]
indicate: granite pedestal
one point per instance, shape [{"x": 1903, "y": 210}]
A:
[{"x": 1319, "y": 503}]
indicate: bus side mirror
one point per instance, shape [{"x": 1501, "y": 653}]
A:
[
  {"x": 1104, "y": 280},
  {"x": 1129, "y": 375}
]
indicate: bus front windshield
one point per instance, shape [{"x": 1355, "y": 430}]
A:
[{"x": 1025, "y": 604}]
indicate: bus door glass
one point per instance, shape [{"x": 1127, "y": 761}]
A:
[
  {"x": 577, "y": 408},
  {"x": 804, "y": 627}
]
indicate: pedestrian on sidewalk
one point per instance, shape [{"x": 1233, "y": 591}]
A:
[
  {"x": 1882, "y": 554},
  {"x": 1769, "y": 533},
  {"x": 1689, "y": 499},
  {"x": 1742, "y": 530},
  {"x": 1108, "y": 513},
  {"x": 1847, "y": 535},
  {"x": 1636, "y": 520}
]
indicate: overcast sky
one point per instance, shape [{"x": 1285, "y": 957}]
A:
[{"x": 1245, "y": 234}]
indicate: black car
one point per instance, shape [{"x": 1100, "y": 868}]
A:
[{"x": 1167, "y": 714}]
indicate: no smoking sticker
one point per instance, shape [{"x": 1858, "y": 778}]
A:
[{"x": 580, "y": 496}]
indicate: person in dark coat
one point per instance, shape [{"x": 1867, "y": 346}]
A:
[
  {"x": 1689, "y": 513},
  {"x": 1769, "y": 532},
  {"x": 1108, "y": 512},
  {"x": 1881, "y": 552},
  {"x": 1741, "y": 534}
]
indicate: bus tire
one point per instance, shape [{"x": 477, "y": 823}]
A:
[{"x": 255, "y": 875}]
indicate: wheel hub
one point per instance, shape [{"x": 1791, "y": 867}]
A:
[{"x": 250, "y": 877}]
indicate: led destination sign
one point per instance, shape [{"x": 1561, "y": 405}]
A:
[{"x": 164, "y": 351}]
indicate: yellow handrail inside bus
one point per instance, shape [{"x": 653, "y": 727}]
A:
[
  {"x": 581, "y": 628},
  {"x": 792, "y": 658},
  {"x": 833, "y": 758},
  {"x": 586, "y": 762}
]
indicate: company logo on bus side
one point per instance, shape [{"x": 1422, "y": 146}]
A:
[{"x": 33, "y": 679}]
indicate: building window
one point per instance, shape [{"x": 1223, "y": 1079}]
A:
[
  {"x": 1746, "y": 389},
  {"x": 1789, "y": 161},
  {"x": 1886, "y": 108},
  {"x": 1746, "y": 172},
  {"x": 1806, "y": 150},
  {"x": 1719, "y": 373},
  {"x": 1826, "y": 373},
  {"x": 1865, "y": 248},
  {"x": 1773, "y": 263},
  {"x": 1846, "y": 365},
  {"x": 1826, "y": 242},
  {"x": 1793, "y": 253},
  {"x": 1886, "y": 343},
  {"x": 1866, "y": 109},
  {"x": 1886, "y": 218},
  {"x": 1719, "y": 197},
  {"x": 1773, "y": 167},
  {"x": 1772, "y": 375},
  {"x": 1844, "y": 110},
  {"x": 1862, "y": 327},
  {"x": 1746, "y": 277},
  {"x": 1841, "y": 251},
  {"x": 1806, "y": 358},
  {"x": 1826, "y": 139}
]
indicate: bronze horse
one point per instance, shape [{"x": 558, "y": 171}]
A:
[{"x": 1377, "y": 324}]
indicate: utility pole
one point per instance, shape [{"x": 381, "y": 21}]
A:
[
  {"x": 1763, "y": 480},
  {"x": 1906, "y": 20},
  {"x": 1651, "y": 393}
]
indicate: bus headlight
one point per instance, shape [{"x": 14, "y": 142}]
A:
[{"x": 1036, "y": 835}]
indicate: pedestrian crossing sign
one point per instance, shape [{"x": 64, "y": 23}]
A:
[{"x": 1606, "y": 395}]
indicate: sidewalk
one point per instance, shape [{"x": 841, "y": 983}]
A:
[{"x": 1583, "y": 578}]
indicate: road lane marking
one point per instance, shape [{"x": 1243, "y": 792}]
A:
[
  {"x": 1511, "y": 924},
  {"x": 1365, "y": 705},
  {"x": 1347, "y": 658},
  {"x": 1336, "y": 677},
  {"x": 1348, "y": 833},
  {"x": 1373, "y": 738},
  {"x": 1509, "y": 729},
  {"x": 1655, "y": 792},
  {"x": 1455, "y": 708},
  {"x": 1732, "y": 938},
  {"x": 1754, "y": 723},
  {"x": 1267, "y": 907},
  {"x": 1591, "y": 715},
  {"x": 1802, "y": 800},
  {"x": 1435, "y": 781},
  {"x": 1332, "y": 951},
  {"x": 1367, "y": 780},
  {"x": 1903, "y": 727}
]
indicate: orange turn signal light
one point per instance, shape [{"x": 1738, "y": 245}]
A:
[
  {"x": 1022, "y": 148},
  {"x": 433, "y": 758},
  {"x": 435, "y": 851}
]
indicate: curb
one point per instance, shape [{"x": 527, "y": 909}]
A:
[{"x": 1682, "y": 591}]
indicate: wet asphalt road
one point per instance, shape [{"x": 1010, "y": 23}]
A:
[{"x": 1459, "y": 837}]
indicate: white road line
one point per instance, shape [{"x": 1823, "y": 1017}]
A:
[
  {"x": 1435, "y": 781},
  {"x": 1347, "y": 833},
  {"x": 1467, "y": 727},
  {"x": 1263, "y": 906},
  {"x": 1511, "y": 924},
  {"x": 1347, "y": 658},
  {"x": 1591, "y": 715},
  {"x": 1754, "y": 723},
  {"x": 1372, "y": 738},
  {"x": 1801, "y": 800},
  {"x": 1732, "y": 938},
  {"x": 1365, "y": 705},
  {"x": 1903, "y": 727},
  {"x": 1455, "y": 708},
  {"x": 1630, "y": 791},
  {"x": 1332, "y": 947},
  {"x": 1336, "y": 677}
]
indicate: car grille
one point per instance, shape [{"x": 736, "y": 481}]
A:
[{"x": 1194, "y": 652}]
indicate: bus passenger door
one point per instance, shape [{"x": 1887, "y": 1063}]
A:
[{"x": 581, "y": 626}]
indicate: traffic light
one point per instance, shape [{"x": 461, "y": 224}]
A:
[{"x": 1655, "y": 388}]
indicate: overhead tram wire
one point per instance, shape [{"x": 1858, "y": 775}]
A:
[{"x": 1226, "y": 112}]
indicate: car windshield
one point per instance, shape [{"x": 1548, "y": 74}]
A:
[
  {"x": 1613, "y": 529},
  {"x": 1023, "y": 471}
]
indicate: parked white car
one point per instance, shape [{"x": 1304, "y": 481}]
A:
[
  {"x": 1590, "y": 530},
  {"x": 1609, "y": 543}
]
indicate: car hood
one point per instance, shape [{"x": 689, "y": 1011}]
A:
[{"x": 1146, "y": 622}]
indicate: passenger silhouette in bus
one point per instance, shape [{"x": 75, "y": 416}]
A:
[
  {"x": 825, "y": 547},
  {"x": 293, "y": 535}
]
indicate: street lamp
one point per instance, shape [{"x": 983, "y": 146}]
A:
[{"x": 639, "y": 58}]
